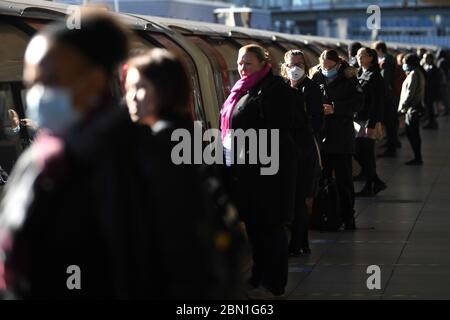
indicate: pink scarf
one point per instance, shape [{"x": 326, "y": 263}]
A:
[{"x": 238, "y": 91}]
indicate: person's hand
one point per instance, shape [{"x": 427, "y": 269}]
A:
[
  {"x": 328, "y": 109},
  {"x": 28, "y": 123}
]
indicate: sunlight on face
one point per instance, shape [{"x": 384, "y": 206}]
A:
[
  {"x": 248, "y": 64},
  {"x": 140, "y": 96}
]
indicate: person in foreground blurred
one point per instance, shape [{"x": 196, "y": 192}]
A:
[
  {"x": 192, "y": 220},
  {"x": 47, "y": 220},
  {"x": 85, "y": 196}
]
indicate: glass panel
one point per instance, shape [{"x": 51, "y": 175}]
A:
[
  {"x": 230, "y": 55},
  {"x": 220, "y": 68},
  {"x": 12, "y": 51},
  {"x": 199, "y": 113}
]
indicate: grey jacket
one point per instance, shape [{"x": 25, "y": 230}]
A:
[{"x": 413, "y": 91}]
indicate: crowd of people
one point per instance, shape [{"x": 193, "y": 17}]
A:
[{"x": 97, "y": 187}]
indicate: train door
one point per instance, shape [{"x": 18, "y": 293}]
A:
[
  {"x": 14, "y": 134},
  {"x": 219, "y": 65}
]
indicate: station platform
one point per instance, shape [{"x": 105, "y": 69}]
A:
[{"x": 405, "y": 230}]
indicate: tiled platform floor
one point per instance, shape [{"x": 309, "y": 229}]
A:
[{"x": 405, "y": 230}]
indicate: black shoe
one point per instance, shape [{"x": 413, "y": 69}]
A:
[
  {"x": 414, "y": 162},
  {"x": 432, "y": 125},
  {"x": 388, "y": 154},
  {"x": 306, "y": 250},
  {"x": 360, "y": 177},
  {"x": 367, "y": 191},
  {"x": 379, "y": 186},
  {"x": 295, "y": 253}
]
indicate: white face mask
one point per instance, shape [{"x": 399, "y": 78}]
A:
[
  {"x": 51, "y": 108},
  {"x": 295, "y": 73}
]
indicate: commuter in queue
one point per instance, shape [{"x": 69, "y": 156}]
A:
[
  {"x": 261, "y": 100},
  {"x": 309, "y": 111},
  {"x": 368, "y": 117},
  {"x": 189, "y": 201},
  {"x": 341, "y": 98},
  {"x": 411, "y": 104}
]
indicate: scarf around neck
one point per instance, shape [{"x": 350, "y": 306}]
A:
[{"x": 238, "y": 91}]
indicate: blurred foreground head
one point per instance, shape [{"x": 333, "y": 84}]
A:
[
  {"x": 157, "y": 87},
  {"x": 68, "y": 71}
]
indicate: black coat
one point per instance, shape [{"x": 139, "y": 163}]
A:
[
  {"x": 115, "y": 204},
  {"x": 309, "y": 171},
  {"x": 313, "y": 104},
  {"x": 373, "y": 87},
  {"x": 267, "y": 199},
  {"x": 346, "y": 95},
  {"x": 434, "y": 79}
]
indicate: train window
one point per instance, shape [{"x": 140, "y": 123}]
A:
[
  {"x": 220, "y": 68},
  {"x": 139, "y": 45},
  {"x": 12, "y": 50},
  {"x": 230, "y": 54},
  {"x": 192, "y": 70}
]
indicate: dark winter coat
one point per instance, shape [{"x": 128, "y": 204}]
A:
[
  {"x": 434, "y": 80},
  {"x": 267, "y": 199},
  {"x": 346, "y": 95},
  {"x": 313, "y": 104},
  {"x": 111, "y": 202},
  {"x": 373, "y": 87}
]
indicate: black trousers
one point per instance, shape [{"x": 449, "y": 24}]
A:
[
  {"x": 300, "y": 224},
  {"x": 270, "y": 256},
  {"x": 391, "y": 123},
  {"x": 341, "y": 165},
  {"x": 365, "y": 156},
  {"x": 430, "y": 110},
  {"x": 412, "y": 130}
]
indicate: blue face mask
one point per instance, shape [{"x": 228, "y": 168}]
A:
[
  {"x": 12, "y": 132},
  {"x": 329, "y": 73},
  {"x": 51, "y": 108},
  {"x": 406, "y": 67}
]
